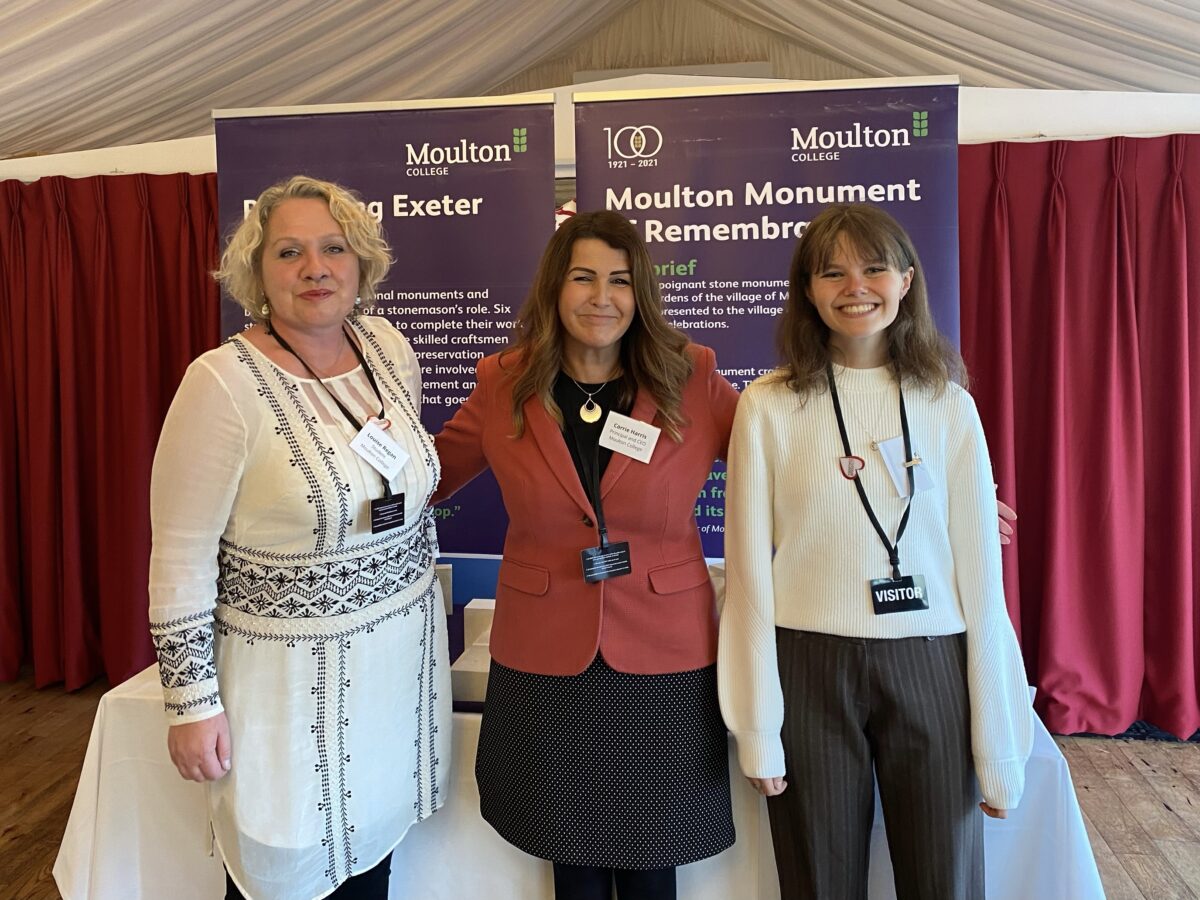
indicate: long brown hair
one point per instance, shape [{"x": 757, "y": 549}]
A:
[
  {"x": 917, "y": 351},
  {"x": 653, "y": 354}
]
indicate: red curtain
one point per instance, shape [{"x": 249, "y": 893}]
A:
[
  {"x": 1080, "y": 262},
  {"x": 104, "y": 299},
  {"x": 1081, "y": 327}
]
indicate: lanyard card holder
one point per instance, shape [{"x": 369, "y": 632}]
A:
[
  {"x": 609, "y": 560},
  {"x": 900, "y": 593},
  {"x": 605, "y": 561},
  {"x": 387, "y": 513},
  {"x": 904, "y": 594}
]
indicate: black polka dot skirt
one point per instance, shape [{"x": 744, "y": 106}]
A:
[{"x": 606, "y": 768}]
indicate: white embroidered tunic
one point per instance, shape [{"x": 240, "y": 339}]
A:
[{"x": 270, "y": 599}]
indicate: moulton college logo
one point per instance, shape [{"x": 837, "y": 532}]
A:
[
  {"x": 816, "y": 144},
  {"x": 433, "y": 159},
  {"x": 634, "y": 142}
]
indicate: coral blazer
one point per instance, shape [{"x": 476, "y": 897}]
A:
[{"x": 659, "y": 618}]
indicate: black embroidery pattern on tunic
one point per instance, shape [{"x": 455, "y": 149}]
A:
[
  {"x": 328, "y": 458},
  {"x": 318, "y": 731},
  {"x": 185, "y": 651},
  {"x": 281, "y": 591},
  {"x": 425, "y": 717},
  {"x": 285, "y": 430},
  {"x": 344, "y": 757},
  {"x": 225, "y": 628},
  {"x": 419, "y": 740},
  {"x": 431, "y": 709},
  {"x": 182, "y": 708}
]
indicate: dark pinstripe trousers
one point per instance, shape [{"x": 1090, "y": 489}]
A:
[{"x": 899, "y": 706}]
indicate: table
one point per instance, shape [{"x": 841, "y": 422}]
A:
[{"x": 137, "y": 831}]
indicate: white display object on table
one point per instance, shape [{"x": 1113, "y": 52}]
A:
[
  {"x": 138, "y": 831},
  {"x": 469, "y": 673}
]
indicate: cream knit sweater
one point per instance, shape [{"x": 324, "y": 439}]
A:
[{"x": 800, "y": 552}]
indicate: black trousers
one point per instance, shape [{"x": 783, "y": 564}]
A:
[
  {"x": 369, "y": 885},
  {"x": 896, "y": 710},
  {"x": 596, "y": 883}
]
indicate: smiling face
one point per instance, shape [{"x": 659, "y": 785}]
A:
[
  {"x": 309, "y": 272},
  {"x": 595, "y": 303},
  {"x": 858, "y": 299}
]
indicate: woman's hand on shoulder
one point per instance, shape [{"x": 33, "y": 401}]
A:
[
  {"x": 201, "y": 750},
  {"x": 1008, "y": 515},
  {"x": 768, "y": 787}
]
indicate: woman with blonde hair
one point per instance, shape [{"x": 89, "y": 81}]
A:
[
  {"x": 864, "y": 636},
  {"x": 293, "y": 604}
]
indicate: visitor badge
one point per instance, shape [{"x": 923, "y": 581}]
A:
[
  {"x": 633, "y": 438},
  {"x": 905, "y": 594},
  {"x": 379, "y": 449}
]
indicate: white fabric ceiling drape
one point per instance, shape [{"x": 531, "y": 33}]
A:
[
  {"x": 78, "y": 74},
  {"x": 1094, "y": 45}
]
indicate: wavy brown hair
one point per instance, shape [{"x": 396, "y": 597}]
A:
[
  {"x": 917, "y": 351},
  {"x": 653, "y": 354}
]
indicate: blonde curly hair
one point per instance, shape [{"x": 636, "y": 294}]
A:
[{"x": 240, "y": 273}]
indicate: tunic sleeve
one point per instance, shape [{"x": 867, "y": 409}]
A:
[
  {"x": 1001, "y": 718},
  {"x": 747, "y": 668},
  {"x": 197, "y": 467}
]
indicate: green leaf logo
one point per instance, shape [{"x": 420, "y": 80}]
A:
[
  {"x": 920, "y": 126},
  {"x": 520, "y": 140}
]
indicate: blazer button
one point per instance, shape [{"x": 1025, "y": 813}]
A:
[{"x": 587, "y": 520}]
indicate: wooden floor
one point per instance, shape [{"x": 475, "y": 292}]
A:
[
  {"x": 1140, "y": 799},
  {"x": 43, "y": 735},
  {"x": 1141, "y": 803}
]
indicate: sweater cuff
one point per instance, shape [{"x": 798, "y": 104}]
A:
[
  {"x": 760, "y": 755},
  {"x": 1001, "y": 781}
]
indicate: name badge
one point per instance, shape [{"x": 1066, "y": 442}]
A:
[
  {"x": 892, "y": 451},
  {"x": 379, "y": 449},
  {"x": 893, "y": 595},
  {"x": 600, "y": 563},
  {"x": 634, "y": 438},
  {"x": 387, "y": 513}
]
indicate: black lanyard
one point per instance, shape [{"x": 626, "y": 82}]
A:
[
  {"x": 350, "y": 417},
  {"x": 893, "y": 549},
  {"x": 591, "y": 478}
]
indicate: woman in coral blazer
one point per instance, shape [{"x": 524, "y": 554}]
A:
[{"x": 602, "y": 747}]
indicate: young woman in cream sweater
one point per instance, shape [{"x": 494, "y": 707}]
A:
[{"x": 865, "y": 633}]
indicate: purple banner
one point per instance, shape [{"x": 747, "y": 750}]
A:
[
  {"x": 466, "y": 197},
  {"x": 721, "y": 186}
]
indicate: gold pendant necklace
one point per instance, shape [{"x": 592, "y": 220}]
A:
[{"x": 590, "y": 410}]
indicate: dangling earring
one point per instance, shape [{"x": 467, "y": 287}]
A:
[
  {"x": 265, "y": 310},
  {"x": 358, "y": 301}
]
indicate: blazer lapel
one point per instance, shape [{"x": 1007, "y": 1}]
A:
[
  {"x": 549, "y": 439},
  {"x": 643, "y": 410}
]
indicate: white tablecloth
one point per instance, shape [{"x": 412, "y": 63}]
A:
[{"x": 138, "y": 831}]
